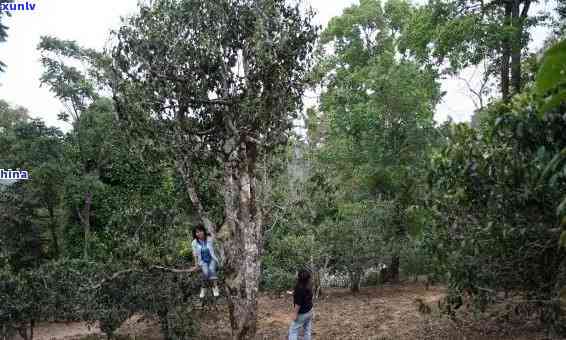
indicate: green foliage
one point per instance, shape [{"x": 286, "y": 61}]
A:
[
  {"x": 264, "y": 86},
  {"x": 9, "y": 116},
  {"x": 495, "y": 202},
  {"x": 274, "y": 278},
  {"x": 81, "y": 291},
  {"x": 449, "y": 30},
  {"x": 166, "y": 296},
  {"x": 135, "y": 216},
  {"x": 74, "y": 87},
  {"x": 550, "y": 83},
  {"x": 355, "y": 237},
  {"x": 373, "y": 279},
  {"x": 3, "y": 31},
  {"x": 216, "y": 84},
  {"x": 483, "y": 207},
  {"x": 452, "y": 35},
  {"x": 50, "y": 292},
  {"x": 20, "y": 234},
  {"x": 378, "y": 106},
  {"x": 415, "y": 260},
  {"x": 550, "y": 86}
]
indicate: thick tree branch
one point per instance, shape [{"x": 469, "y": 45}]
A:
[
  {"x": 183, "y": 167},
  {"x": 135, "y": 270},
  {"x": 525, "y": 11},
  {"x": 81, "y": 219}
]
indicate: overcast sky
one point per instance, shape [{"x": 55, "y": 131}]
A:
[{"x": 89, "y": 22}]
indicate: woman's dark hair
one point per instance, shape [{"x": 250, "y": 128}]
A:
[
  {"x": 303, "y": 280},
  {"x": 198, "y": 227}
]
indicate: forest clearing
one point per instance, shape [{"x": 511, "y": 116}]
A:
[{"x": 388, "y": 312}]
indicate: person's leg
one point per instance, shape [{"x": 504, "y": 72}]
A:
[
  {"x": 214, "y": 278},
  {"x": 294, "y": 329},
  {"x": 307, "y": 326},
  {"x": 205, "y": 275}
]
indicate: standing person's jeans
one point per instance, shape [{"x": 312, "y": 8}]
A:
[
  {"x": 304, "y": 321},
  {"x": 209, "y": 270}
]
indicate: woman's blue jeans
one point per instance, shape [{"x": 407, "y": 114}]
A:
[
  {"x": 304, "y": 321},
  {"x": 209, "y": 270}
]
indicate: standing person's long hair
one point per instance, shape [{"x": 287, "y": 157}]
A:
[{"x": 304, "y": 280}]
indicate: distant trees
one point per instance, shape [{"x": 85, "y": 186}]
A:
[{"x": 3, "y": 30}]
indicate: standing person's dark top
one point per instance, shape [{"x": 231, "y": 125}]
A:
[{"x": 303, "y": 297}]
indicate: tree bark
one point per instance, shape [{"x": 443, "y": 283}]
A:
[
  {"x": 184, "y": 167},
  {"x": 516, "y": 76},
  {"x": 516, "y": 47},
  {"x": 355, "y": 278},
  {"x": 317, "y": 277},
  {"x": 23, "y": 330},
  {"x": 84, "y": 217},
  {"x": 505, "y": 55},
  {"x": 53, "y": 230},
  {"x": 240, "y": 235},
  {"x": 244, "y": 252},
  {"x": 394, "y": 269}
]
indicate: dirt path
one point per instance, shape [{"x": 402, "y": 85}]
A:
[{"x": 388, "y": 312}]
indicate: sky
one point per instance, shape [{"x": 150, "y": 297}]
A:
[{"x": 89, "y": 23}]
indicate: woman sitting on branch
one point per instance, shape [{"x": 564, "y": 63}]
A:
[{"x": 205, "y": 258}]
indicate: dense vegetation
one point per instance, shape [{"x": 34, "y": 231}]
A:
[{"x": 189, "y": 118}]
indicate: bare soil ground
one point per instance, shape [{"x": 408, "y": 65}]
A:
[{"x": 388, "y": 312}]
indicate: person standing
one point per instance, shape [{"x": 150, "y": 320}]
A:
[
  {"x": 205, "y": 258},
  {"x": 302, "y": 303}
]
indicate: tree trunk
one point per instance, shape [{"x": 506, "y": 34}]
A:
[
  {"x": 355, "y": 277},
  {"x": 559, "y": 293},
  {"x": 243, "y": 241},
  {"x": 239, "y": 237},
  {"x": 84, "y": 216},
  {"x": 23, "y": 330},
  {"x": 505, "y": 55},
  {"x": 516, "y": 47},
  {"x": 53, "y": 230},
  {"x": 394, "y": 269},
  {"x": 243, "y": 293},
  {"x": 317, "y": 279},
  {"x": 164, "y": 324},
  {"x": 383, "y": 275},
  {"x": 516, "y": 57}
]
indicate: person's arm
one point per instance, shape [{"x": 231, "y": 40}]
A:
[
  {"x": 298, "y": 298},
  {"x": 195, "y": 256},
  {"x": 296, "y": 312}
]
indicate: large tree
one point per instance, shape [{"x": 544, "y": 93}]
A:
[
  {"x": 72, "y": 73},
  {"x": 218, "y": 83},
  {"x": 379, "y": 106},
  {"x": 469, "y": 32}
]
